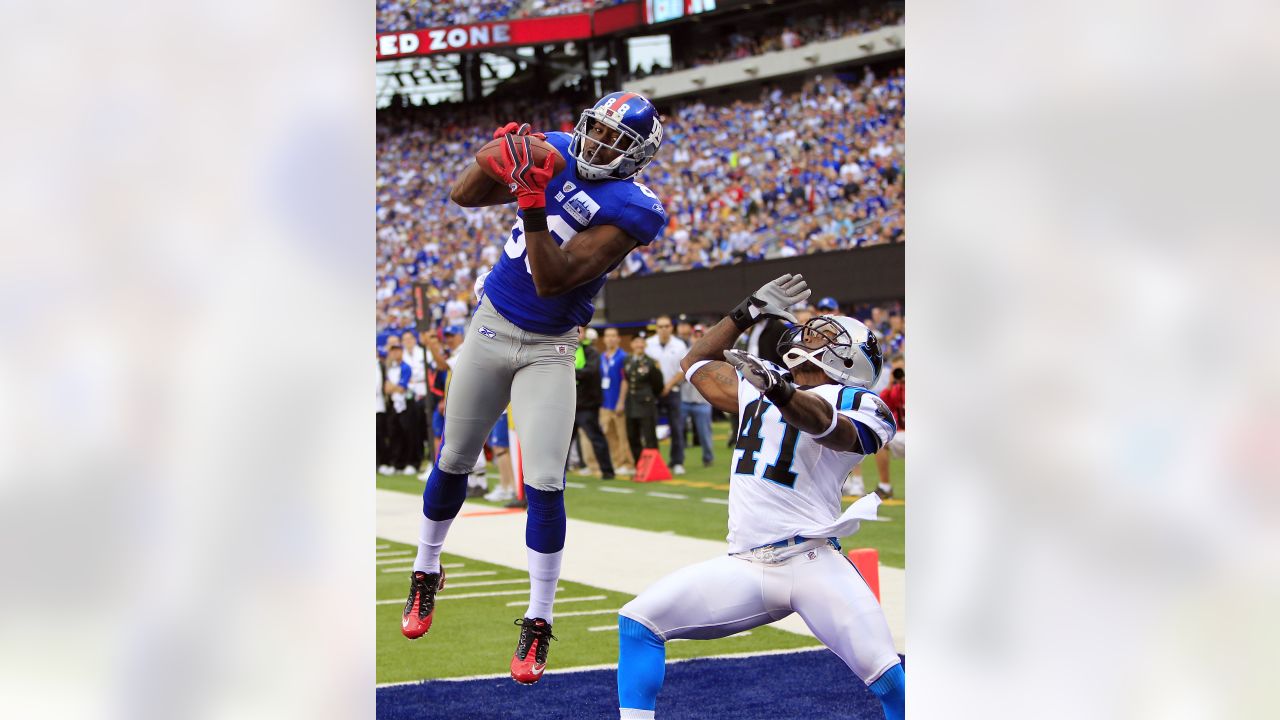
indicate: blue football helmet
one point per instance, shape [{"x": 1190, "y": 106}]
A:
[{"x": 639, "y": 135}]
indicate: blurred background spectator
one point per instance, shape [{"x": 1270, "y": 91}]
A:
[{"x": 668, "y": 350}]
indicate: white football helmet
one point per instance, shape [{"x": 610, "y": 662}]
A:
[{"x": 843, "y": 348}]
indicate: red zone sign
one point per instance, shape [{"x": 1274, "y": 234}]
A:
[{"x": 531, "y": 31}]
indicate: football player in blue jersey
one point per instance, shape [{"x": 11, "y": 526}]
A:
[{"x": 571, "y": 230}]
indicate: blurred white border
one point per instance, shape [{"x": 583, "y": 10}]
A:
[
  {"x": 186, "y": 502},
  {"x": 1091, "y": 279}
]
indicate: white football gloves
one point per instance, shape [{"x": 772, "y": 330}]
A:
[{"x": 772, "y": 300}]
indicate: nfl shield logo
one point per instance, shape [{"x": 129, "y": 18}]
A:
[{"x": 562, "y": 349}]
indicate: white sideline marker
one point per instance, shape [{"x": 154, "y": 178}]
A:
[
  {"x": 717, "y": 501},
  {"x": 621, "y": 491},
  {"x": 565, "y": 600},
  {"x": 670, "y": 496}
]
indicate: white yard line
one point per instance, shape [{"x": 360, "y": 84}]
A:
[
  {"x": 716, "y": 501},
  {"x": 465, "y": 596},
  {"x": 584, "y": 598},
  {"x": 609, "y": 557},
  {"x": 450, "y": 566},
  {"x": 608, "y": 666},
  {"x": 620, "y": 491},
  {"x": 449, "y": 585},
  {"x": 383, "y": 547},
  {"x": 577, "y": 613},
  {"x": 575, "y": 485},
  {"x": 603, "y": 628},
  {"x": 671, "y": 496}
]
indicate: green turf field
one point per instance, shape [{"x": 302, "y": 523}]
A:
[
  {"x": 695, "y": 515},
  {"x": 473, "y": 632}
]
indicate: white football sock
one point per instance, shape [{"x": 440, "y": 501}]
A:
[
  {"x": 544, "y": 573},
  {"x": 634, "y": 714},
  {"x": 886, "y": 487},
  {"x": 430, "y": 540}
]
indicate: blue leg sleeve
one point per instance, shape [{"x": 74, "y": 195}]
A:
[
  {"x": 891, "y": 688},
  {"x": 544, "y": 526},
  {"x": 642, "y": 663},
  {"x": 444, "y": 494}
]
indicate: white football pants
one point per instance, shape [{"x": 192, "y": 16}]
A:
[{"x": 732, "y": 593}]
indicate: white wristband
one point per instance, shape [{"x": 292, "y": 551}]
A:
[
  {"x": 835, "y": 417},
  {"x": 694, "y": 368}
]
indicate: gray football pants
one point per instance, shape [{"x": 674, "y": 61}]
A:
[{"x": 498, "y": 364}]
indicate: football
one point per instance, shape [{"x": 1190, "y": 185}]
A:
[{"x": 493, "y": 149}]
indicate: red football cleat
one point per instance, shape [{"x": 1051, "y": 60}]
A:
[
  {"x": 531, "y": 652},
  {"x": 421, "y": 604}
]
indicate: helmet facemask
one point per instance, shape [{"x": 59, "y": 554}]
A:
[
  {"x": 628, "y": 144},
  {"x": 826, "y": 343}
]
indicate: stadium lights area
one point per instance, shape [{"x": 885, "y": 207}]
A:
[{"x": 435, "y": 78}]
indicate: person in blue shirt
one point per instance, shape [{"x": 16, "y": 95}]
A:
[
  {"x": 571, "y": 229},
  {"x": 613, "y": 384}
]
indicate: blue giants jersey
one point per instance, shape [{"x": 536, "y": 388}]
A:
[{"x": 573, "y": 205}]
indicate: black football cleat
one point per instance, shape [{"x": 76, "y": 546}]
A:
[
  {"x": 421, "y": 605},
  {"x": 530, "y": 658}
]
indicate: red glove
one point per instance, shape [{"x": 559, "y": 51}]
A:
[
  {"x": 528, "y": 182},
  {"x": 522, "y": 129}
]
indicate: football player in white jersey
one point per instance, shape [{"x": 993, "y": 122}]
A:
[{"x": 801, "y": 431}]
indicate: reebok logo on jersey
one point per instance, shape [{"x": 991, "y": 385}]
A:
[
  {"x": 487, "y": 332},
  {"x": 582, "y": 207}
]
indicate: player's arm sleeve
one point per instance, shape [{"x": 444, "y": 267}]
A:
[
  {"x": 872, "y": 420},
  {"x": 642, "y": 217}
]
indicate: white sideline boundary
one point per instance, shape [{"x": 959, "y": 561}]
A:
[{"x": 607, "y": 666}]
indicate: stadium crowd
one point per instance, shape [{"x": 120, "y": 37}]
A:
[
  {"x": 413, "y": 14},
  {"x": 788, "y": 174},
  {"x": 795, "y": 32}
]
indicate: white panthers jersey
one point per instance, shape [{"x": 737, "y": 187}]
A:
[{"x": 782, "y": 483}]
